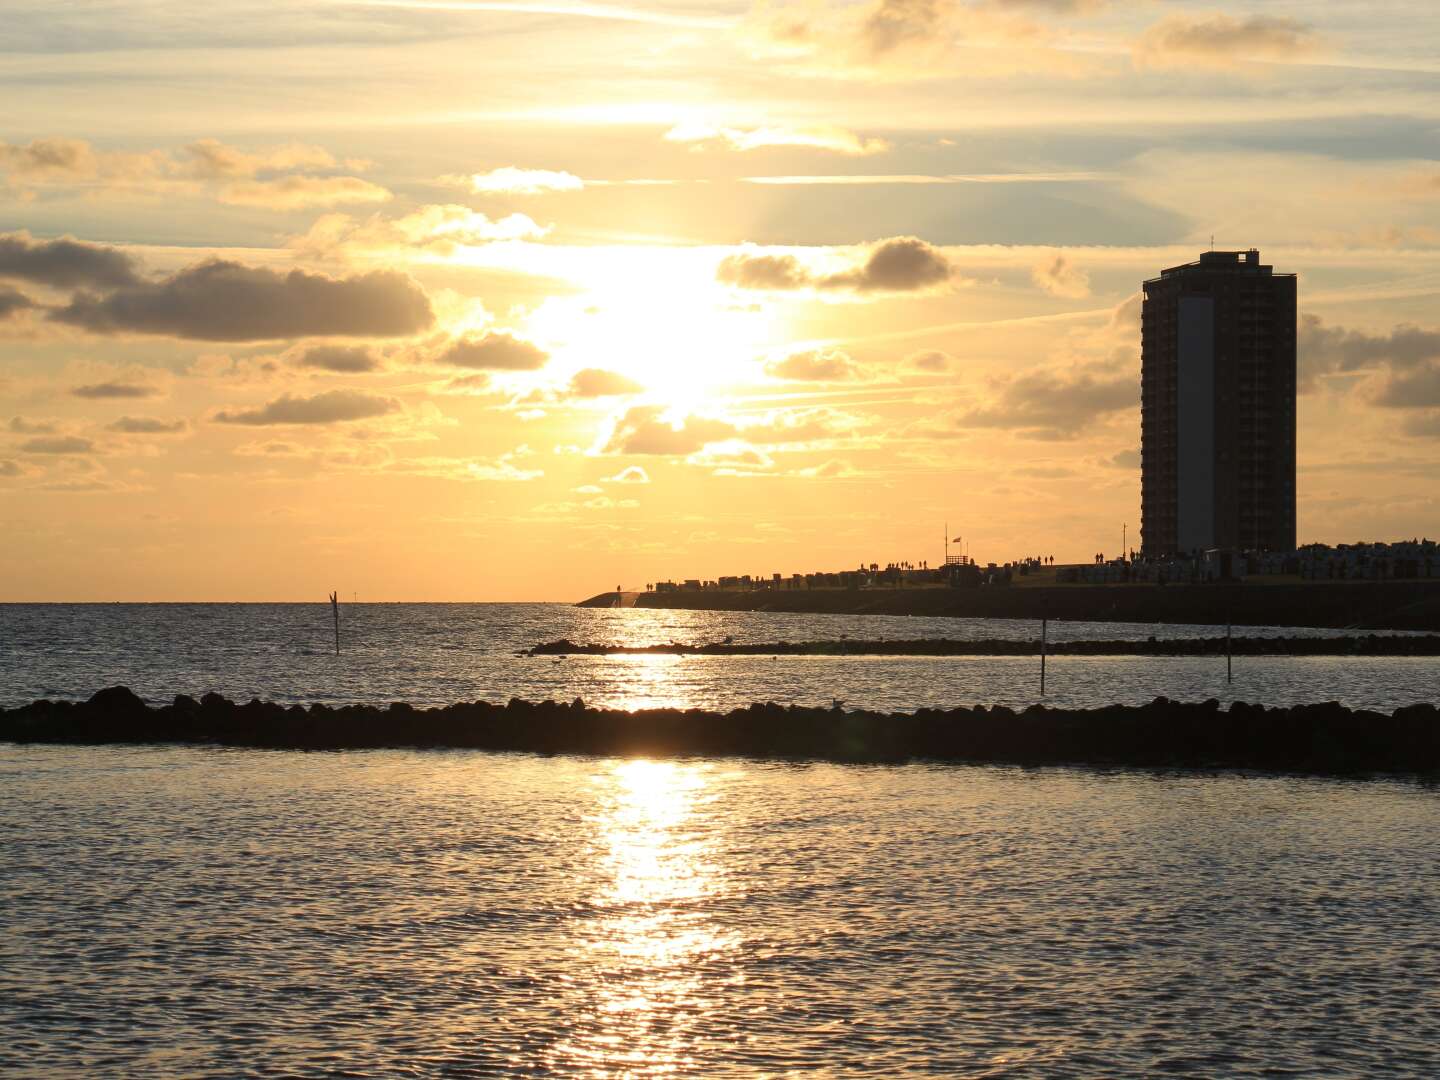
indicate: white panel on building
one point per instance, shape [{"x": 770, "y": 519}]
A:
[{"x": 1196, "y": 435}]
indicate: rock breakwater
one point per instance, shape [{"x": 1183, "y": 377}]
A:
[
  {"x": 1363, "y": 645},
  {"x": 1322, "y": 738}
]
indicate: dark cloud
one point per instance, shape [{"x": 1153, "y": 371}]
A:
[
  {"x": 1324, "y": 350},
  {"x": 146, "y": 425},
  {"x": 931, "y": 362},
  {"x": 817, "y": 365},
  {"x": 596, "y": 382},
  {"x": 1059, "y": 7},
  {"x": 1056, "y": 405},
  {"x": 9, "y": 468},
  {"x": 12, "y": 301},
  {"x": 96, "y": 391},
  {"x": 494, "y": 352},
  {"x": 1417, "y": 388},
  {"x": 20, "y": 426},
  {"x": 65, "y": 263},
  {"x": 1123, "y": 459},
  {"x": 219, "y": 300},
  {"x": 58, "y": 444},
  {"x": 349, "y": 359},
  {"x": 642, "y": 430},
  {"x": 900, "y": 264},
  {"x": 1222, "y": 40},
  {"x": 331, "y": 407},
  {"x": 893, "y": 24},
  {"x": 1425, "y": 426}
]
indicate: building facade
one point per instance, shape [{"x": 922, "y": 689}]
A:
[{"x": 1217, "y": 407}]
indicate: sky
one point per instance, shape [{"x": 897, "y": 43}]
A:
[{"x": 524, "y": 299}]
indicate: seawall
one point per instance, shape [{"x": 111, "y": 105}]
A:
[
  {"x": 1325, "y": 738},
  {"x": 1358, "y": 605}
]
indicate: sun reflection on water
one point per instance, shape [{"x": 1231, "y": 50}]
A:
[{"x": 648, "y": 940}]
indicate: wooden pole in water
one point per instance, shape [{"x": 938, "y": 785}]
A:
[
  {"x": 1229, "y": 673},
  {"x": 1043, "y": 632},
  {"x": 335, "y": 610}
]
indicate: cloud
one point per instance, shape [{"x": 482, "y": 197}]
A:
[
  {"x": 20, "y": 426},
  {"x": 596, "y": 382},
  {"x": 502, "y": 469},
  {"x": 10, "y": 468},
  {"x": 836, "y": 139},
  {"x": 114, "y": 389},
  {"x": 65, "y": 263},
  {"x": 347, "y": 359},
  {"x": 303, "y": 192},
  {"x": 331, "y": 407},
  {"x": 890, "y": 25},
  {"x": 817, "y": 365},
  {"x": 12, "y": 302},
  {"x": 1418, "y": 388},
  {"x": 900, "y": 264},
  {"x": 277, "y": 178},
  {"x": 512, "y": 181},
  {"x": 1060, "y": 277},
  {"x": 1059, "y": 7},
  {"x": 1056, "y": 404},
  {"x": 645, "y": 429},
  {"x": 634, "y": 474},
  {"x": 1323, "y": 350},
  {"x": 219, "y": 300},
  {"x": 212, "y": 158},
  {"x": 732, "y": 457},
  {"x": 494, "y": 351},
  {"x": 436, "y": 228},
  {"x": 834, "y": 469},
  {"x": 58, "y": 444},
  {"x": 479, "y": 383},
  {"x": 1123, "y": 459},
  {"x": 1220, "y": 40},
  {"x": 930, "y": 362},
  {"x": 146, "y": 425}
]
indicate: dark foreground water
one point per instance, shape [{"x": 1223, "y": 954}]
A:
[
  {"x": 199, "y": 913},
  {"x": 436, "y": 654}
]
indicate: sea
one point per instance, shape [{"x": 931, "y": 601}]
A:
[{"x": 204, "y": 912}]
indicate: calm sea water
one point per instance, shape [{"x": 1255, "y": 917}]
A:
[
  {"x": 186, "y": 912},
  {"x": 212, "y": 913},
  {"x": 435, "y": 654}
]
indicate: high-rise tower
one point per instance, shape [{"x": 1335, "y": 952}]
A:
[{"x": 1217, "y": 407}]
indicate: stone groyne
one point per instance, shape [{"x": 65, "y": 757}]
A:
[
  {"x": 1350, "y": 645},
  {"x": 1358, "y": 605},
  {"x": 1324, "y": 738}
]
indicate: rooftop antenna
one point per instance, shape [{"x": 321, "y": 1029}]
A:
[{"x": 1212, "y": 241}]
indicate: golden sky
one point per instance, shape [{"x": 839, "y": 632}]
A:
[{"x": 523, "y": 300}]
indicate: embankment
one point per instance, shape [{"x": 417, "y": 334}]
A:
[
  {"x": 1356, "y": 605},
  {"x": 1325, "y": 738},
  {"x": 1350, "y": 645}
]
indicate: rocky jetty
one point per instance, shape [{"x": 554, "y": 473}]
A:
[
  {"x": 1324, "y": 738},
  {"x": 1364, "y": 645}
]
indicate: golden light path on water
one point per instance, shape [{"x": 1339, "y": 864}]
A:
[{"x": 646, "y": 947}]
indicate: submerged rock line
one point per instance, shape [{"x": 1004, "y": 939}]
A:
[
  {"x": 1364, "y": 645},
  {"x": 1323, "y": 738}
]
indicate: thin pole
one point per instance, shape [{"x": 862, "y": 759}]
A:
[
  {"x": 1043, "y": 633},
  {"x": 335, "y": 610},
  {"x": 1229, "y": 673}
]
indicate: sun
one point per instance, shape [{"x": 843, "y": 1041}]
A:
[{"x": 658, "y": 317}]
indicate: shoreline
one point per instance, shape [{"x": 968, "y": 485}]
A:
[
  {"x": 1333, "y": 605},
  {"x": 1323, "y": 739}
]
